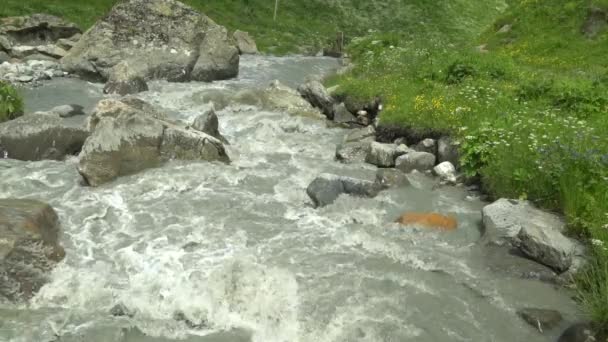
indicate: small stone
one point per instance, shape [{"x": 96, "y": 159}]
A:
[
  {"x": 384, "y": 155},
  {"x": 426, "y": 145},
  {"x": 419, "y": 161},
  {"x": 446, "y": 172},
  {"x": 391, "y": 178},
  {"x": 24, "y": 79},
  {"x": 541, "y": 319},
  {"x": 120, "y": 310},
  {"x": 67, "y": 111},
  {"x": 342, "y": 115},
  {"x": 52, "y": 50}
]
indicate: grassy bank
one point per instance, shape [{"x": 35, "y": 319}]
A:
[{"x": 528, "y": 101}]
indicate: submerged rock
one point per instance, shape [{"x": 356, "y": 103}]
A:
[
  {"x": 326, "y": 188},
  {"x": 419, "y": 161},
  {"x": 245, "y": 43},
  {"x": 29, "y": 247},
  {"x": 41, "y": 136},
  {"x": 164, "y": 38},
  {"x": 128, "y": 137},
  {"x": 580, "y": 332},
  {"x": 67, "y": 111},
  {"x": 541, "y": 319},
  {"x": 209, "y": 123},
  {"x": 391, "y": 178},
  {"x": 429, "y": 220}
]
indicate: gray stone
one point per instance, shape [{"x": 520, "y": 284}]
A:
[
  {"x": 419, "y": 161},
  {"x": 503, "y": 219},
  {"x": 4, "y": 57},
  {"x": 541, "y": 319},
  {"x": 165, "y": 39},
  {"x": 245, "y": 43},
  {"x": 66, "y": 44},
  {"x": 39, "y": 57},
  {"x": 41, "y": 136},
  {"x": 218, "y": 58},
  {"x": 326, "y": 188},
  {"x": 315, "y": 93},
  {"x": 391, "y": 178},
  {"x": 22, "y": 51},
  {"x": 384, "y": 155},
  {"x": 52, "y": 51},
  {"x": 426, "y": 145},
  {"x": 356, "y": 145},
  {"x": 29, "y": 247},
  {"x": 281, "y": 98},
  {"x": 67, "y": 111},
  {"x": 208, "y": 123},
  {"x": 127, "y": 137},
  {"x": 36, "y": 29},
  {"x": 124, "y": 80},
  {"x": 579, "y": 332},
  {"x": 546, "y": 246},
  {"x": 343, "y": 116},
  {"x": 446, "y": 171},
  {"x": 24, "y": 79},
  {"x": 447, "y": 150},
  {"x": 5, "y": 44}
]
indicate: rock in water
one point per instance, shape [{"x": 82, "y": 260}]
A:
[
  {"x": 41, "y": 136},
  {"x": 391, "y": 178},
  {"x": 218, "y": 58},
  {"x": 547, "y": 246},
  {"x": 356, "y": 145},
  {"x": 67, "y": 111},
  {"x": 541, "y": 319},
  {"x": 429, "y": 220},
  {"x": 419, "y": 161},
  {"x": 315, "y": 93},
  {"x": 446, "y": 171},
  {"x": 164, "y": 38},
  {"x": 580, "y": 332},
  {"x": 29, "y": 248},
  {"x": 343, "y": 117},
  {"x": 209, "y": 123},
  {"x": 245, "y": 43},
  {"x": 326, "y": 188},
  {"x": 384, "y": 155},
  {"x": 129, "y": 136},
  {"x": 124, "y": 80}
]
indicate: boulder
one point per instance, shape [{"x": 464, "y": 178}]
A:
[
  {"x": 218, "y": 58},
  {"x": 446, "y": 172},
  {"x": 208, "y": 123},
  {"x": 419, "y": 161},
  {"x": 123, "y": 80},
  {"x": 245, "y": 43},
  {"x": 342, "y": 116},
  {"x": 391, "y": 178},
  {"x": 41, "y": 136},
  {"x": 5, "y": 44},
  {"x": 579, "y": 332},
  {"x": 447, "y": 150},
  {"x": 428, "y": 220},
  {"x": 426, "y": 145},
  {"x": 39, "y": 57},
  {"x": 279, "y": 97},
  {"x": 128, "y": 137},
  {"x": 315, "y": 93},
  {"x": 546, "y": 246},
  {"x": 503, "y": 219},
  {"x": 52, "y": 51},
  {"x": 67, "y": 111},
  {"x": 4, "y": 57},
  {"x": 326, "y": 188},
  {"x": 356, "y": 145},
  {"x": 384, "y": 155},
  {"x": 29, "y": 247},
  {"x": 22, "y": 51},
  {"x": 541, "y": 319},
  {"x": 165, "y": 39},
  {"x": 36, "y": 29},
  {"x": 66, "y": 44}
]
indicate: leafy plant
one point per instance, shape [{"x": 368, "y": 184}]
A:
[
  {"x": 11, "y": 104},
  {"x": 458, "y": 71}
]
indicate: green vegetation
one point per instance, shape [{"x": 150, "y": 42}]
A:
[
  {"x": 11, "y": 104},
  {"x": 527, "y": 99}
]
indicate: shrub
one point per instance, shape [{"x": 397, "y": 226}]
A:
[
  {"x": 11, "y": 104},
  {"x": 458, "y": 71}
]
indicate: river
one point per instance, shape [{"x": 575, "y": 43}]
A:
[{"x": 239, "y": 252}]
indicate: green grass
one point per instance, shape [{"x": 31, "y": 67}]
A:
[
  {"x": 531, "y": 113},
  {"x": 11, "y": 104}
]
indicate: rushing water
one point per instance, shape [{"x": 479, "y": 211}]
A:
[{"x": 239, "y": 252}]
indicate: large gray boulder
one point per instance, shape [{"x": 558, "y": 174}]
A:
[
  {"x": 343, "y": 117},
  {"x": 326, "y": 188},
  {"x": 547, "y": 246},
  {"x": 218, "y": 58},
  {"x": 245, "y": 43},
  {"x": 356, "y": 145},
  {"x": 41, "y": 136},
  {"x": 128, "y": 137},
  {"x": 315, "y": 93},
  {"x": 34, "y": 30},
  {"x": 123, "y": 80},
  {"x": 503, "y": 219},
  {"x": 419, "y": 161},
  {"x": 164, "y": 39},
  {"x": 29, "y": 247},
  {"x": 384, "y": 155}
]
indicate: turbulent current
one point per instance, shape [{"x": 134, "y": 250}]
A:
[{"x": 202, "y": 251}]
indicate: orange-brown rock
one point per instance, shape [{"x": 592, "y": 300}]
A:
[{"x": 429, "y": 220}]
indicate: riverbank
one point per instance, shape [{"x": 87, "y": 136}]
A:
[{"x": 528, "y": 112}]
